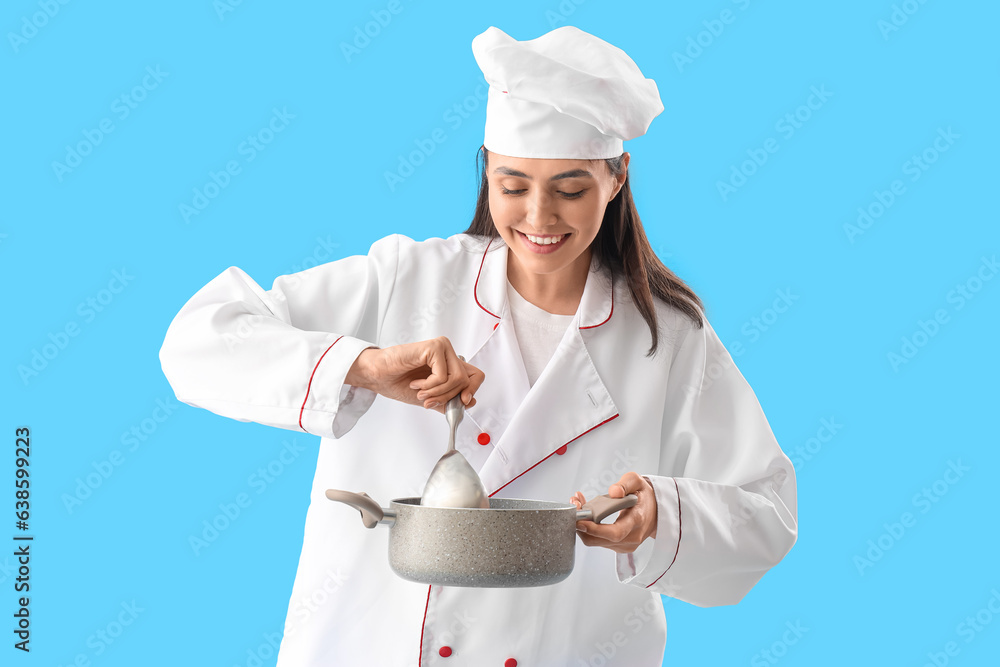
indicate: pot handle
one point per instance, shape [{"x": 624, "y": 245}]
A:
[
  {"x": 603, "y": 506},
  {"x": 371, "y": 512}
]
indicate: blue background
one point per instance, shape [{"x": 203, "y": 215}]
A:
[{"x": 318, "y": 191}]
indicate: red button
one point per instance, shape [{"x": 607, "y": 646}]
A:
[
  {"x": 495, "y": 326},
  {"x": 561, "y": 450},
  {"x": 510, "y": 662},
  {"x": 484, "y": 438},
  {"x": 444, "y": 651}
]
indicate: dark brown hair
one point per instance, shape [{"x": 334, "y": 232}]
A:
[{"x": 621, "y": 247}]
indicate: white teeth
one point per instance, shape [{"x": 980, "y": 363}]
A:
[{"x": 545, "y": 240}]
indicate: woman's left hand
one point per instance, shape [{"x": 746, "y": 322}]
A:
[{"x": 634, "y": 524}]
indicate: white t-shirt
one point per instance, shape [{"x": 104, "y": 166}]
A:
[{"x": 538, "y": 332}]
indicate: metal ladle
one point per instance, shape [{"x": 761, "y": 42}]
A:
[{"x": 453, "y": 482}]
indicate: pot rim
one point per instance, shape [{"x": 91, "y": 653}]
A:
[{"x": 541, "y": 506}]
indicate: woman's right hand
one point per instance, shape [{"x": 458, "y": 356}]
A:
[{"x": 426, "y": 373}]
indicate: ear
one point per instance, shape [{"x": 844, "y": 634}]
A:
[{"x": 620, "y": 178}]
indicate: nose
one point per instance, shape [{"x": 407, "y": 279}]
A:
[{"x": 541, "y": 210}]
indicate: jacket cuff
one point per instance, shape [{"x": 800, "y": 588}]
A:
[
  {"x": 330, "y": 408},
  {"x": 630, "y": 567}
]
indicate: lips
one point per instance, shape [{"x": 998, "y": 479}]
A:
[{"x": 543, "y": 244}]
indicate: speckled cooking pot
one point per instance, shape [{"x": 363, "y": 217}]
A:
[{"x": 514, "y": 543}]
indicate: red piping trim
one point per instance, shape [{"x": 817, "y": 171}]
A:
[
  {"x": 594, "y": 326},
  {"x": 679, "y": 533},
  {"x": 422, "y": 624},
  {"x": 550, "y": 455},
  {"x": 475, "y": 289},
  {"x": 309, "y": 386},
  {"x": 475, "y": 295}
]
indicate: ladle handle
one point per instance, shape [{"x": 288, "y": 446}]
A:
[
  {"x": 454, "y": 410},
  {"x": 604, "y": 506}
]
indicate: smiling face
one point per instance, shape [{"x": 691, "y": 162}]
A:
[{"x": 549, "y": 211}]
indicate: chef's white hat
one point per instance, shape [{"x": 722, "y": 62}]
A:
[{"x": 565, "y": 95}]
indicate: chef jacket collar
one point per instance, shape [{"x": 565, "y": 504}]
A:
[{"x": 596, "y": 305}]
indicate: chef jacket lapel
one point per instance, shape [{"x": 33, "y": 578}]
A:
[
  {"x": 499, "y": 356},
  {"x": 527, "y": 426}
]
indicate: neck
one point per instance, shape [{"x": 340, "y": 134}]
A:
[{"x": 557, "y": 293}]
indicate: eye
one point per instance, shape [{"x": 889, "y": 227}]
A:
[
  {"x": 573, "y": 195},
  {"x": 510, "y": 192}
]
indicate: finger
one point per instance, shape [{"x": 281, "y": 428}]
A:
[
  {"x": 614, "y": 532},
  {"x": 436, "y": 357},
  {"x": 630, "y": 482},
  {"x": 464, "y": 380},
  {"x": 619, "y": 547},
  {"x": 475, "y": 380},
  {"x": 453, "y": 378},
  {"x": 625, "y": 546}
]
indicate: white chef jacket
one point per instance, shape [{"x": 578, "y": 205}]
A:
[{"x": 685, "y": 418}]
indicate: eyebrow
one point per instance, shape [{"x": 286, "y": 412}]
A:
[{"x": 574, "y": 173}]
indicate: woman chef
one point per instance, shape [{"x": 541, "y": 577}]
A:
[{"x": 589, "y": 369}]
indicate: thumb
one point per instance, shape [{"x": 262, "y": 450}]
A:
[{"x": 630, "y": 482}]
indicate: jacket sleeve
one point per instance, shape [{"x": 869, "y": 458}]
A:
[
  {"x": 279, "y": 357},
  {"x": 725, "y": 492}
]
